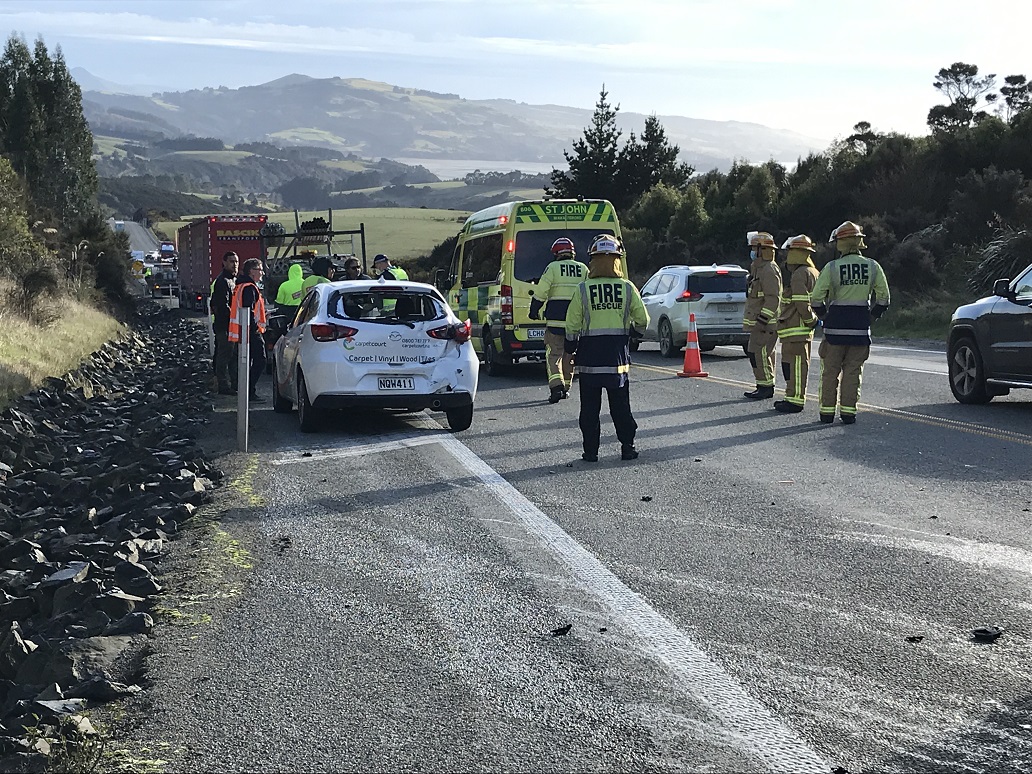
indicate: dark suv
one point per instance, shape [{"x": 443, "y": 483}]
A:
[{"x": 990, "y": 342}]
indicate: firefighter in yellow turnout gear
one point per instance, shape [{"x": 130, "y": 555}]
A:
[
  {"x": 601, "y": 313},
  {"x": 842, "y": 299},
  {"x": 796, "y": 322},
  {"x": 554, "y": 291},
  {"x": 762, "y": 303}
]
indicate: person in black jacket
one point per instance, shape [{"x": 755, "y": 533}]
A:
[
  {"x": 353, "y": 271},
  {"x": 221, "y": 297}
]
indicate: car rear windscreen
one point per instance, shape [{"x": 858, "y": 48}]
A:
[
  {"x": 387, "y": 306},
  {"x": 717, "y": 283},
  {"x": 534, "y": 249}
]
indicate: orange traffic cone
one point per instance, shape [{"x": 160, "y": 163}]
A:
[{"x": 692, "y": 355}]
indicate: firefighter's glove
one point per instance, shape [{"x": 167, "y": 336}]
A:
[
  {"x": 535, "y": 309},
  {"x": 570, "y": 346}
]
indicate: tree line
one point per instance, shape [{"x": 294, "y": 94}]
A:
[
  {"x": 942, "y": 211},
  {"x": 53, "y": 237}
]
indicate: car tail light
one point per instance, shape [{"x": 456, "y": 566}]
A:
[
  {"x": 459, "y": 332},
  {"x": 689, "y": 295},
  {"x": 723, "y": 271},
  {"x": 506, "y": 305},
  {"x": 331, "y": 332}
]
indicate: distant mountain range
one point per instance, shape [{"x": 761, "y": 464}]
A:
[{"x": 378, "y": 120}]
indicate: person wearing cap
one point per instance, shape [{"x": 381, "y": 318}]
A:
[
  {"x": 842, "y": 298},
  {"x": 553, "y": 292},
  {"x": 796, "y": 322},
  {"x": 322, "y": 271},
  {"x": 388, "y": 270},
  {"x": 598, "y": 320},
  {"x": 762, "y": 303}
]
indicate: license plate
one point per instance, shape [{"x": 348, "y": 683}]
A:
[
  {"x": 535, "y": 333},
  {"x": 727, "y": 307},
  {"x": 396, "y": 383}
]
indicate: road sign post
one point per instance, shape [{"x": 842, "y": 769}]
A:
[{"x": 243, "y": 375}]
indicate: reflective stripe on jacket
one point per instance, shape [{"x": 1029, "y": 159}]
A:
[
  {"x": 763, "y": 294},
  {"x": 556, "y": 287},
  {"x": 599, "y": 317},
  {"x": 797, "y": 319},
  {"x": 843, "y": 294},
  {"x": 258, "y": 321}
]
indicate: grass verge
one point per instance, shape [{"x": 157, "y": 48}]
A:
[
  {"x": 403, "y": 233},
  {"x": 919, "y": 318},
  {"x": 29, "y": 354}
]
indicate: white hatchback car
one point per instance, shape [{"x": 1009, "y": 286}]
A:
[
  {"x": 375, "y": 344},
  {"x": 716, "y": 295}
]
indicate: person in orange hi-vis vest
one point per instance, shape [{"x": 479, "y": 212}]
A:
[{"x": 248, "y": 294}]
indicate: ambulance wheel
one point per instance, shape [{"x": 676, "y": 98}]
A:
[
  {"x": 496, "y": 364},
  {"x": 460, "y": 419},
  {"x": 667, "y": 347},
  {"x": 308, "y": 417}
]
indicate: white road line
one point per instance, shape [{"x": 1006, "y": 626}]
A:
[
  {"x": 919, "y": 370},
  {"x": 363, "y": 448},
  {"x": 761, "y": 734}
]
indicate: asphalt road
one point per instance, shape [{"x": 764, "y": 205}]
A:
[
  {"x": 140, "y": 238},
  {"x": 740, "y": 598}
]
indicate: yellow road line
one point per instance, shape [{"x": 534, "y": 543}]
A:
[{"x": 924, "y": 419}]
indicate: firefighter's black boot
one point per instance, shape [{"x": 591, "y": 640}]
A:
[{"x": 761, "y": 393}]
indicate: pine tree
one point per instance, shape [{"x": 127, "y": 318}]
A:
[
  {"x": 593, "y": 163},
  {"x": 43, "y": 130}
]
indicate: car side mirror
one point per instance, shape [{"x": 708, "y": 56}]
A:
[
  {"x": 1001, "y": 288},
  {"x": 439, "y": 280},
  {"x": 279, "y": 323}
]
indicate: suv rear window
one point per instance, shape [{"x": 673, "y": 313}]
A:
[
  {"x": 386, "y": 306},
  {"x": 534, "y": 249},
  {"x": 717, "y": 283}
]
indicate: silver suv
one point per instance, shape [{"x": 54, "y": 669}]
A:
[
  {"x": 715, "y": 294},
  {"x": 990, "y": 342}
]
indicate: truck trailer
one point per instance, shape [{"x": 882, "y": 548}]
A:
[{"x": 201, "y": 245}]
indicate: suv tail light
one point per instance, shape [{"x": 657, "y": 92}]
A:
[
  {"x": 689, "y": 295},
  {"x": 459, "y": 332},
  {"x": 506, "y": 294},
  {"x": 330, "y": 332}
]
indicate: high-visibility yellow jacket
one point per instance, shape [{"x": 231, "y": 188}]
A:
[
  {"x": 395, "y": 273},
  {"x": 555, "y": 289},
  {"x": 763, "y": 294},
  {"x": 311, "y": 282},
  {"x": 597, "y": 324},
  {"x": 842, "y": 297},
  {"x": 290, "y": 292},
  {"x": 797, "y": 319}
]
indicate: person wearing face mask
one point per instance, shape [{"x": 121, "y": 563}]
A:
[{"x": 762, "y": 304}]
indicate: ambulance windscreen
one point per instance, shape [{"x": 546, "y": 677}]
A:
[{"x": 534, "y": 249}]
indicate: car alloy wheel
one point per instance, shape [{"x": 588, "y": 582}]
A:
[
  {"x": 967, "y": 377},
  {"x": 666, "y": 340}
]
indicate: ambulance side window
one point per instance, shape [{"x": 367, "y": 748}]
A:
[{"x": 481, "y": 260}]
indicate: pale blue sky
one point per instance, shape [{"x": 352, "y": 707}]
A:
[{"x": 817, "y": 67}]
